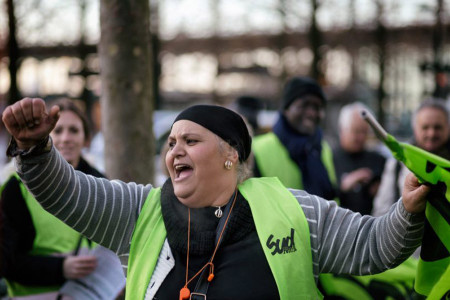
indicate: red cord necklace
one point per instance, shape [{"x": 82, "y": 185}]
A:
[{"x": 185, "y": 293}]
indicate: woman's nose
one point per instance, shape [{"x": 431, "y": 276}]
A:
[
  {"x": 177, "y": 150},
  {"x": 65, "y": 136}
]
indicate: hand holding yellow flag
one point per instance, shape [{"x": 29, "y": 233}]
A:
[{"x": 433, "y": 272}]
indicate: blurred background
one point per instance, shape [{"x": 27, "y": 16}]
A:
[{"x": 389, "y": 54}]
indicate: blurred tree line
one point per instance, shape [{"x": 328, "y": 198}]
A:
[{"x": 131, "y": 55}]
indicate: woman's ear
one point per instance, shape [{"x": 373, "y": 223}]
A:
[{"x": 233, "y": 155}]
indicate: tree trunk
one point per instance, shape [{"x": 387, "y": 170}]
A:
[
  {"x": 127, "y": 105},
  {"x": 438, "y": 34},
  {"x": 155, "y": 48},
  {"x": 382, "y": 57},
  {"x": 13, "y": 49},
  {"x": 316, "y": 41},
  {"x": 281, "y": 45}
]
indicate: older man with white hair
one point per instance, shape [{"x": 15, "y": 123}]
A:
[
  {"x": 358, "y": 169},
  {"x": 430, "y": 124}
]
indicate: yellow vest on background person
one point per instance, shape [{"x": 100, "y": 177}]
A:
[
  {"x": 293, "y": 272},
  {"x": 396, "y": 283},
  {"x": 53, "y": 237},
  {"x": 273, "y": 159}
]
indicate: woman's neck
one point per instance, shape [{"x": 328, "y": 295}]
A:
[
  {"x": 223, "y": 197},
  {"x": 74, "y": 163}
]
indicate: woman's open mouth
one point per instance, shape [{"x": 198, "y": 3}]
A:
[{"x": 182, "y": 171}]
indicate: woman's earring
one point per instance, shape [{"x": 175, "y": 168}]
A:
[{"x": 228, "y": 165}]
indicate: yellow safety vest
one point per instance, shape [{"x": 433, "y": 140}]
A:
[
  {"x": 276, "y": 213},
  {"x": 53, "y": 237}
]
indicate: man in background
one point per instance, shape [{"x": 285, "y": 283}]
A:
[
  {"x": 431, "y": 128},
  {"x": 358, "y": 170},
  {"x": 249, "y": 107},
  {"x": 295, "y": 150}
]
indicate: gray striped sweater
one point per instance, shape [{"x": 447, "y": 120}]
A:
[{"x": 342, "y": 242}]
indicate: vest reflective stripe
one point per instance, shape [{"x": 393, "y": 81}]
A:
[
  {"x": 52, "y": 237},
  {"x": 292, "y": 270},
  {"x": 273, "y": 160}
]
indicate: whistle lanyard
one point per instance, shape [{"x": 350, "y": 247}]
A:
[{"x": 202, "y": 285}]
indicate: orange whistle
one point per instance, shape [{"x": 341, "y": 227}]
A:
[{"x": 185, "y": 293}]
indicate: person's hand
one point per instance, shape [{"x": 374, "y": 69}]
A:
[
  {"x": 75, "y": 267},
  {"x": 414, "y": 194},
  {"x": 28, "y": 121},
  {"x": 359, "y": 176}
]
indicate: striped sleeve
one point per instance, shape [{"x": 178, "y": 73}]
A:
[
  {"x": 104, "y": 211},
  {"x": 342, "y": 242},
  {"x": 345, "y": 242}
]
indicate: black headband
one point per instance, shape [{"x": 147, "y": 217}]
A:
[{"x": 224, "y": 122}]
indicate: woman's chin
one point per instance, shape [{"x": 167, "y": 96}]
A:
[
  {"x": 68, "y": 156},
  {"x": 186, "y": 198},
  {"x": 183, "y": 197},
  {"x": 71, "y": 160}
]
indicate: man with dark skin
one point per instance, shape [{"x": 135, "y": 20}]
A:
[{"x": 295, "y": 150}]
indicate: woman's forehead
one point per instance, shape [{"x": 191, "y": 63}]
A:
[
  {"x": 184, "y": 127},
  {"x": 69, "y": 116}
]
